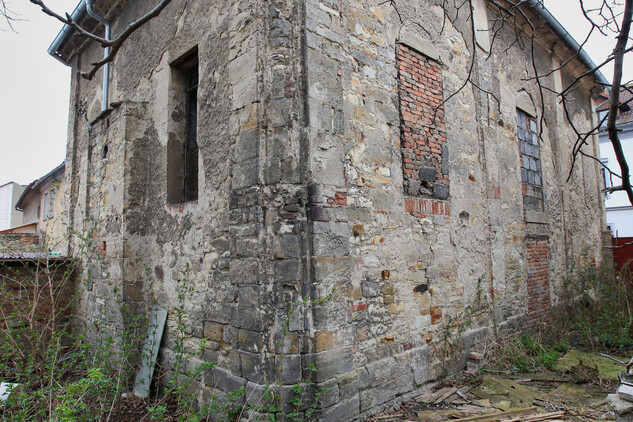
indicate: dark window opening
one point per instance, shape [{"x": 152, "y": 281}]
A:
[
  {"x": 531, "y": 173},
  {"x": 182, "y": 149},
  {"x": 191, "y": 134}
]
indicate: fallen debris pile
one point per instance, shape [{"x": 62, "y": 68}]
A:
[{"x": 577, "y": 393}]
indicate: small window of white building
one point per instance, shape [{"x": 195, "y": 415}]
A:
[
  {"x": 602, "y": 118},
  {"x": 606, "y": 176}
]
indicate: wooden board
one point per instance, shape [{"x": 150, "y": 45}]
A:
[{"x": 155, "y": 331}]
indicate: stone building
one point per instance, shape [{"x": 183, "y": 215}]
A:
[{"x": 320, "y": 155}]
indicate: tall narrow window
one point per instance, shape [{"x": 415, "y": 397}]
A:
[
  {"x": 191, "y": 135},
  {"x": 530, "y": 162},
  {"x": 45, "y": 207},
  {"x": 182, "y": 149},
  {"x": 51, "y": 203}
]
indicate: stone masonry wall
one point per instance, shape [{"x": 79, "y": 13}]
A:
[
  {"x": 413, "y": 262},
  {"x": 307, "y": 199},
  {"x": 242, "y": 246}
]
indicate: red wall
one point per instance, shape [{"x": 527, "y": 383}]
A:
[{"x": 623, "y": 255}]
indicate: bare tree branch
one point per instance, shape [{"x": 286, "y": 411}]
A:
[
  {"x": 8, "y": 15},
  {"x": 115, "y": 43},
  {"x": 618, "y": 54},
  {"x": 68, "y": 20},
  {"x": 624, "y": 245}
]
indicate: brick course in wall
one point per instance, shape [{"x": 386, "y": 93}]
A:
[
  {"x": 538, "y": 281},
  {"x": 422, "y": 208},
  {"x": 423, "y": 132}
]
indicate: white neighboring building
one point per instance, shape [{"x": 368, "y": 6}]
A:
[
  {"x": 619, "y": 209},
  {"x": 9, "y": 195}
]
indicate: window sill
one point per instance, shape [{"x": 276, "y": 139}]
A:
[
  {"x": 535, "y": 217},
  {"x": 180, "y": 208}
]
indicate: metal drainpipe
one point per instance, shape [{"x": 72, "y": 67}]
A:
[{"x": 106, "y": 67}]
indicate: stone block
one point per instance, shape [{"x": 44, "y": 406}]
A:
[
  {"x": 245, "y": 91},
  {"x": 347, "y": 410},
  {"x": 427, "y": 174},
  {"x": 332, "y": 363},
  {"x": 219, "y": 312},
  {"x": 245, "y": 174},
  {"x": 415, "y": 41},
  {"x": 255, "y": 367},
  {"x": 247, "y": 145},
  {"x": 623, "y": 409},
  {"x": 244, "y": 271},
  {"x": 292, "y": 246},
  {"x": 370, "y": 288},
  {"x": 319, "y": 213},
  {"x": 250, "y": 341},
  {"x": 440, "y": 191},
  {"x": 330, "y": 245},
  {"x": 287, "y": 270},
  {"x": 229, "y": 336},
  {"x": 224, "y": 380},
  {"x": 445, "y": 162},
  {"x": 280, "y": 112},
  {"x": 213, "y": 331},
  {"x": 249, "y": 295},
  {"x": 329, "y": 393},
  {"x": 413, "y": 187},
  {"x": 384, "y": 370},
  {"x": 248, "y": 318},
  {"x": 348, "y": 384},
  {"x": 288, "y": 369},
  {"x": 246, "y": 247},
  {"x": 327, "y": 340}
]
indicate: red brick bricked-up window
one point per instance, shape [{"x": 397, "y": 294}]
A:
[
  {"x": 423, "y": 134},
  {"x": 538, "y": 281}
]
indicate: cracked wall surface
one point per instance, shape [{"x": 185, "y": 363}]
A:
[{"x": 304, "y": 199}]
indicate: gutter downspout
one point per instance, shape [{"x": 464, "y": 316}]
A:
[{"x": 106, "y": 53}]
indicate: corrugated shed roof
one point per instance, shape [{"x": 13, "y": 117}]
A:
[{"x": 29, "y": 256}]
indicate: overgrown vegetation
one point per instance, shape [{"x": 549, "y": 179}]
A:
[
  {"x": 61, "y": 376},
  {"x": 594, "y": 310}
]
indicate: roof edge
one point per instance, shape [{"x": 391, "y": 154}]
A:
[
  {"x": 38, "y": 182},
  {"x": 77, "y": 15},
  {"x": 81, "y": 11},
  {"x": 559, "y": 30}
]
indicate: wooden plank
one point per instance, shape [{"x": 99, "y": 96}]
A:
[
  {"x": 535, "y": 418},
  {"x": 496, "y": 416},
  {"x": 155, "y": 331},
  {"x": 425, "y": 397},
  {"x": 431, "y": 396},
  {"x": 449, "y": 391},
  {"x": 466, "y": 388}
]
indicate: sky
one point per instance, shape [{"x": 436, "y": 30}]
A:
[{"x": 34, "y": 87}]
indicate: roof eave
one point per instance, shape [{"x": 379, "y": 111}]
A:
[
  {"x": 54, "y": 50},
  {"x": 562, "y": 33}
]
